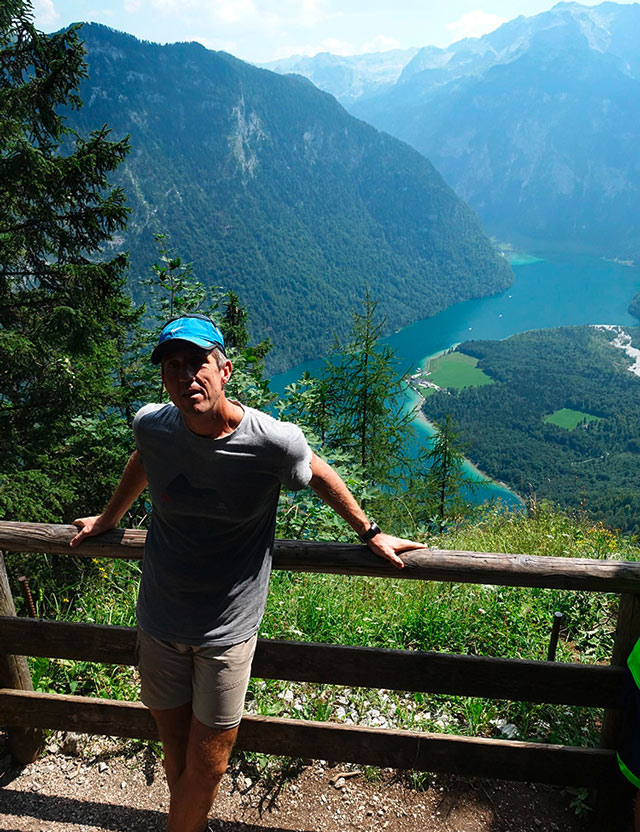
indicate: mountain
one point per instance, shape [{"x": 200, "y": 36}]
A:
[
  {"x": 555, "y": 412},
  {"x": 349, "y": 78},
  {"x": 536, "y": 125},
  {"x": 271, "y": 189}
]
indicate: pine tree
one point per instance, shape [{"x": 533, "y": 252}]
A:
[
  {"x": 445, "y": 475},
  {"x": 62, "y": 303},
  {"x": 365, "y": 396}
]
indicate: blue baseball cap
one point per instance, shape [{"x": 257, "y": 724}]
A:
[{"x": 195, "y": 329}]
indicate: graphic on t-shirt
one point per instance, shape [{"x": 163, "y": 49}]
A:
[{"x": 181, "y": 491}]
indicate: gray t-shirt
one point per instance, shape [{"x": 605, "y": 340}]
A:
[{"x": 207, "y": 558}]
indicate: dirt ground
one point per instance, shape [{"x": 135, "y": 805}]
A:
[{"x": 92, "y": 784}]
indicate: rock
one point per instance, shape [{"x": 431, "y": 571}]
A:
[
  {"x": 102, "y": 766},
  {"x": 339, "y": 783},
  {"x": 123, "y": 785},
  {"x": 71, "y": 744},
  {"x": 53, "y": 748}
]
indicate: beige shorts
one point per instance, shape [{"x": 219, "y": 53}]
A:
[{"x": 214, "y": 679}]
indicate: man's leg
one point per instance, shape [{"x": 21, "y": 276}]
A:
[
  {"x": 173, "y": 728},
  {"x": 192, "y": 795}
]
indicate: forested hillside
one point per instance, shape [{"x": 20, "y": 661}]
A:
[
  {"x": 521, "y": 427},
  {"x": 270, "y": 188}
]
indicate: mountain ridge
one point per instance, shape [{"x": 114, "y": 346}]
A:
[{"x": 535, "y": 125}]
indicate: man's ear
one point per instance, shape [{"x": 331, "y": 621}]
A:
[{"x": 227, "y": 369}]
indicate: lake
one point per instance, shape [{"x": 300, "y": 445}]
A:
[{"x": 560, "y": 290}]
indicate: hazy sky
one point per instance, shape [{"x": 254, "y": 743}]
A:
[{"x": 263, "y": 30}]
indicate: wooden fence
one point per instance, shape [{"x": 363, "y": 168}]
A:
[{"x": 24, "y": 712}]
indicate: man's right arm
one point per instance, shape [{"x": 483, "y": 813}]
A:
[{"x": 131, "y": 485}]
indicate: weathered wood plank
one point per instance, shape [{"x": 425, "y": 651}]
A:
[
  {"x": 465, "y": 756},
  {"x": 553, "y": 682},
  {"x": 351, "y": 559},
  {"x": 24, "y": 743},
  {"x": 54, "y": 539},
  {"x": 346, "y": 743}
]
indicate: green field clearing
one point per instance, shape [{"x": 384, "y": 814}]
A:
[
  {"x": 570, "y": 419},
  {"x": 455, "y": 369}
]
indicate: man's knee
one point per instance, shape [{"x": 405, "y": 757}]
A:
[
  {"x": 208, "y": 752},
  {"x": 208, "y": 773}
]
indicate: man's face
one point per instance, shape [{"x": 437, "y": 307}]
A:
[{"x": 193, "y": 379}]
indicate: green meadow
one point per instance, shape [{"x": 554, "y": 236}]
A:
[
  {"x": 570, "y": 419},
  {"x": 455, "y": 369}
]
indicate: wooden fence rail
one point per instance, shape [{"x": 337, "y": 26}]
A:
[
  {"x": 480, "y": 676},
  {"x": 351, "y": 559},
  {"x": 531, "y": 681},
  {"x": 471, "y": 756}
]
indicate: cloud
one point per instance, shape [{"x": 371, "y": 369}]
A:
[
  {"x": 307, "y": 13},
  {"x": 216, "y": 44},
  {"x": 474, "y": 24},
  {"x": 44, "y": 12},
  {"x": 97, "y": 14},
  {"x": 268, "y": 13},
  {"x": 233, "y": 11},
  {"x": 381, "y": 43}
]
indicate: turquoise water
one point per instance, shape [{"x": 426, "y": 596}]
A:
[{"x": 557, "y": 291}]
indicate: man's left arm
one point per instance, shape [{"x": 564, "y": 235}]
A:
[{"x": 331, "y": 488}]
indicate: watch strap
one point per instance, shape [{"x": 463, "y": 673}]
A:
[{"x": 370, "y": 533}]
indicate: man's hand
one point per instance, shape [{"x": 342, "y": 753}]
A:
[
  {"x": 389, "y": 547},
  {"x": 90, "y": 526},
  {"x": 130, "y": 487}
]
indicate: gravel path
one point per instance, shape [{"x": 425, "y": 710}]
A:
[{"x": 103, "y": 784}]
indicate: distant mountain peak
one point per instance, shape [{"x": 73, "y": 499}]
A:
[{"x": 349, "y": 78}]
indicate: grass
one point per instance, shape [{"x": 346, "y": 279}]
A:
[
  {"x": 391, "y": 613},
  {"x": 570, "y": 419},
  {"x": 457, "y": 370}
]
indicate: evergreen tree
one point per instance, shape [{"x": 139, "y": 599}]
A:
[
  {"x": 365, "y": 396},
  {"x": 247, "y": 383},
  {"x": 355, "y": 416},
  {"x": 62, "y": 304},
  {"x": 305, "y": 402},
  {"x": 445, "y": 475}
]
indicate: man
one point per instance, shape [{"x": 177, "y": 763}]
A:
[{"x": 214, "y": 470}]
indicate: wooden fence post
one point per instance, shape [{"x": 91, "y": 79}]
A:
[
  {"x": 612, "y": 805},
  {"x": 24, "y": 743}
]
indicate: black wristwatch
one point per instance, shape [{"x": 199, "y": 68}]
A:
[{"x": 370, "y": 533}]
